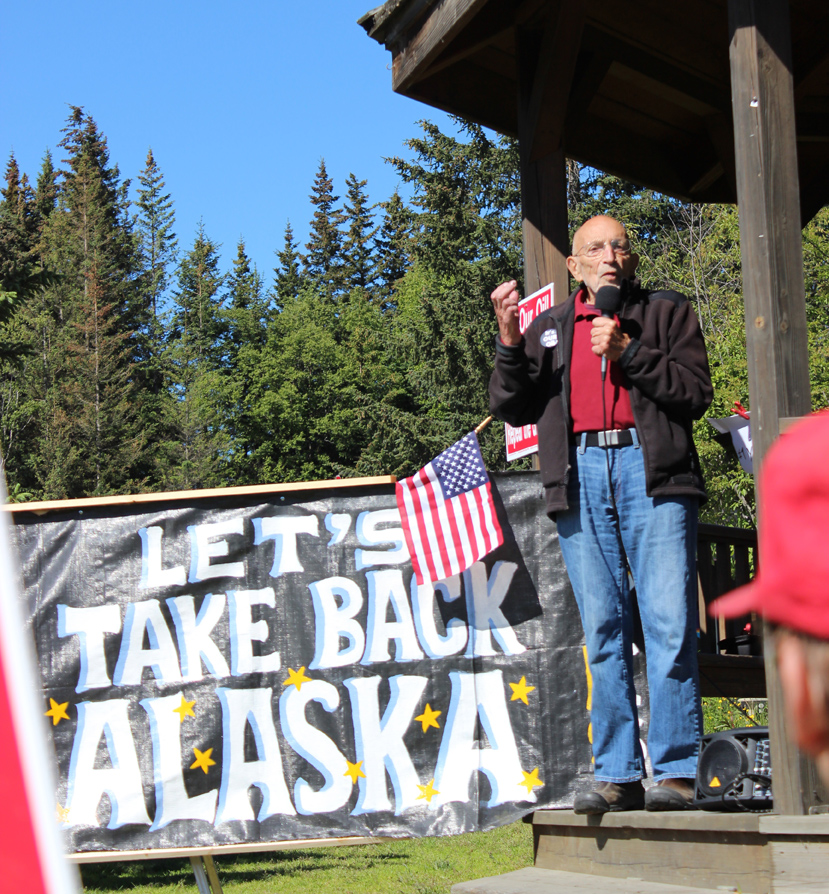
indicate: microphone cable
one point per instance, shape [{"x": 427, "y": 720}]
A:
[{"x": 608, "y": 299}]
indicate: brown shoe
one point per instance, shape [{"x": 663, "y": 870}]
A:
[
  {"x": 609, "y": 797},
  {"x": 670, "y": 794}
]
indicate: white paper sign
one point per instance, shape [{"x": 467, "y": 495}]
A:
[{"x": 740, "y": 430}]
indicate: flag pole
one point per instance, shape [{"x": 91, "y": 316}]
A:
[{"x": 484, "y": 424}]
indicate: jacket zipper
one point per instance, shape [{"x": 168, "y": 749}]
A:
[{"x": 640, "y": 438}]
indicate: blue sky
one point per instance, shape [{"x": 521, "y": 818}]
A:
[{"x": 239, "y": 101}]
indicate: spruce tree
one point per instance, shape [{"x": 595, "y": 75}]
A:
[
  {"x": 465, "y": 239},
  {"x": 18, "y": 237},
  {"x": 287, "y": 276},
  {"x": 92, "y": 191},
  {"x": 247, "y": 314},
  {"x": 156, "y": 237},
  {"x": 247, "y": 308},
  {"x": 101, "y": 399},
  {"x": 196, "y": 302},
  {"x": 157, "y": 245},
  {"x": 357, "y": 252},
  {"x": 295, "y": 393},
  {"x": 195, "y": 349},
  {"x": 21, "y": 223},
  {"x": 392, "y": 248},
  {"x": 91, "y": 439},
  {"x": 323, "y": 261},
  {"x": 468, "y": 193},
  {"x": 46, "y": 190},
  {"x": 17, "y": 277}
]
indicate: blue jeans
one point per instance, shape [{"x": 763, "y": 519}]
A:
[{"x": 659, "y": 539}]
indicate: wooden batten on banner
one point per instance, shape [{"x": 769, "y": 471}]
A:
[
  {"x": 248, "y": 847},
  {"x": 207, "y": 493}
]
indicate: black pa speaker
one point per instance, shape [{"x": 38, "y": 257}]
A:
[{"x": 734, "y": 770}]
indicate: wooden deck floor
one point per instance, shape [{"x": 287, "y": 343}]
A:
[
  {"x": 670, "y": 853},
  {"x": 550, "y": 881}
]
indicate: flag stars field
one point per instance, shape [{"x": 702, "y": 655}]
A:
[
  {"x": 57, "y": 712},
  {"x": 429, "y": 717},
  {"x": 447, "y": 511},
  {"x": 521, "y": 690},
  {"x": 296, "y": 678}
]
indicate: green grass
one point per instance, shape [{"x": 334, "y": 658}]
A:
[
  {"x": 412, "y": 866},
  {"x": 720, "y": 714}
]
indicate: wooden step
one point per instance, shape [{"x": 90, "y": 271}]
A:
[
  {"x": 552, "y": 881},
  {"x": 752, "y": 853}
]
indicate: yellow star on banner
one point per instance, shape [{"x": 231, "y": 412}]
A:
[
  {"x": 62, "y": 813},
  {"x": 203, "y": 759},
  {"x": 520, "y": 690},
  {"x": 531, "y": 780},
  {"x": 296, "y": 678},
  {"x": 427, "y": 791},
  {"x": 354, "y": 771},
  {"x": 185, "y": 709},
  {"x": 57, "y": 712},
  {"x": 429, "y": 718}
]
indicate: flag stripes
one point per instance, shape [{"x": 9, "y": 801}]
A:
[{"x": 448, "y": 514}]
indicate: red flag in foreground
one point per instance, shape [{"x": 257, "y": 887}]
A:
[
  {"x": 447, "y": 512},
  {"x": 30, "y": 853}
]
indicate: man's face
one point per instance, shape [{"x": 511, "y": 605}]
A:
[{"x": 599, "y": 258}]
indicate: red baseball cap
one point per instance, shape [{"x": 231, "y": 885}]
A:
[{"x": 792, "y": 585}]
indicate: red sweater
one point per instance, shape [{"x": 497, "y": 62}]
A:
[{"x": 586, "y": 386}]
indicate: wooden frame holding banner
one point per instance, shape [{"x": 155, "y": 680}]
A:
[{"x": 255, "y": 668}]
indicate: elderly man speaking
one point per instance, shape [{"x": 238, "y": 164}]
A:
[{"x": 614, "y": 378}]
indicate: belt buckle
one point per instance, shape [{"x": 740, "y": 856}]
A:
[{"x": 609, "y": 438}]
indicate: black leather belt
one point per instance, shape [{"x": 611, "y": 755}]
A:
[{"x": 612, "y": 438}]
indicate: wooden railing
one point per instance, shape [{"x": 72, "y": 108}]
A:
[{"x": 726, "y": 558}]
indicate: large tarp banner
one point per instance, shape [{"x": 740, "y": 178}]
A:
[{"x": 265, "y": 668}]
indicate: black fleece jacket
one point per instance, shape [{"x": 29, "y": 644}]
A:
[{"x": 666, "y": 370}]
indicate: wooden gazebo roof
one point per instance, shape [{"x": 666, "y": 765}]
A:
[{"x": 638, "y": 89}]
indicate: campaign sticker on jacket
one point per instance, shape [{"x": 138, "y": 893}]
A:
[{"x": 549, "y": 338}]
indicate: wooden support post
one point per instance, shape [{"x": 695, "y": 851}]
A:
[
  {"x": 212, "y": 875},
  {"x": 543, "y": 184},
  {"x": 207, "y": 879},
  {"x": 772, "y": 259},
  {"x": 544, "y": 212}
]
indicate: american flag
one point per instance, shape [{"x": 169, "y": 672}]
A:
[{"x": 447, "y": 512}]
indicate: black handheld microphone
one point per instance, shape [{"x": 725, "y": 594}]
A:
[{"x": 608, "y": 299}]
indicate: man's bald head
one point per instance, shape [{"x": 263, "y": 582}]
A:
[
  {"x": 595, "y": 227},
  {"x": 601, "y": 255}
]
